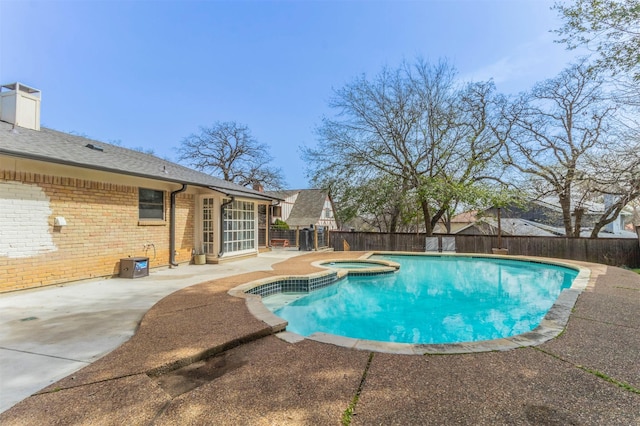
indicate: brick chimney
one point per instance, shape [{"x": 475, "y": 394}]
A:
[
  {"x": 20, "y": 105},
  {"x": 257, "y": 186}
]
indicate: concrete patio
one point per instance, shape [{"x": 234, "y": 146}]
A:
[{"x": 199, "y": 357}]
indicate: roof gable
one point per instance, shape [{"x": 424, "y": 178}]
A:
[{"x": 308, "y": 207}]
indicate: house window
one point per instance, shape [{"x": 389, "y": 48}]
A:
[
  {"x": 239, "y": 226},
  {"x": 150, "y": 204},
  {"x": 277, "y": 211}
]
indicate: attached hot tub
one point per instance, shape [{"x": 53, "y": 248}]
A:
[{"x": 360, "y": 266}]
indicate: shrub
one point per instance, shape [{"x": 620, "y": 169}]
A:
[{"x": 279, "y": 224}]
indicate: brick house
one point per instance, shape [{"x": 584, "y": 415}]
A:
[{"x": 71, "y": 208}]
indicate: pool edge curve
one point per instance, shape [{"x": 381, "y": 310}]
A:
[{"x": 551, "y": 326}]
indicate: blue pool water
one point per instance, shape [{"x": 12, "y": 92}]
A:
[{"x": 441, "y": 299}]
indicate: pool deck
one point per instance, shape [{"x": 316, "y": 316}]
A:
[{"x": 200, "y": 357}]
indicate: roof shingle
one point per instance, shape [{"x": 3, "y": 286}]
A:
[{"x": 63, "y": 148}]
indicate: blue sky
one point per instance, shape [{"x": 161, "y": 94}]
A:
[{"x": 146, "y": 74}]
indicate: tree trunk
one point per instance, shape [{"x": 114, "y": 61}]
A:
[
  {"x": 428, "y": 228},
  {"x": 609, "y": 216},
  {"x": 393, "y": 223},
  {"x": 565, "y": 205},
  {"x": 578, "y": 212},
  {"x": 499, "y": 229}
]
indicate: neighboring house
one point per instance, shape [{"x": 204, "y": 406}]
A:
[
  {"x": 72, "y": 207},
  {"x": 539, "y": 218},
  {"x": 509, "y": 226},
  {"x": 457, "y": 223},
  {"x": 282, "y": 210},
  {"x": 302, "y": 208}
]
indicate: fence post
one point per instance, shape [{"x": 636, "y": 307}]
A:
[
  {"x": 298, "y": 236},
  {"x": 315, "y": 238}
]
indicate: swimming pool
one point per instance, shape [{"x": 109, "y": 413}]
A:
[{"x": 431, "y": 300}]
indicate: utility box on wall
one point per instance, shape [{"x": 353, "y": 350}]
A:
[{"x": 134, "y": 267}]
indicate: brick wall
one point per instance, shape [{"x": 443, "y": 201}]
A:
[{"x": 102, "y": 227}]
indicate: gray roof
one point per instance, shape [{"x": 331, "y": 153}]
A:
[
  {"x": 307, "y": 209},
  {"x": 590, "y": 207},
  {"x": 521, "y": 227},
  {"x": 62, "y": 148},
  {"x": 526, "y": 228}
]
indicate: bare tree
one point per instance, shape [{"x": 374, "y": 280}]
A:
[
  {"x": 414, "y": 126},
  {"x": 227, "y": 150},
  {"x": 617, "y": 177},
  {"x": 565, "y": 142}
]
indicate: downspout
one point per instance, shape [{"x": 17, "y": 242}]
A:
[
  {"x": 222, "y": 207},
  {"x": 172, "y": 226}
]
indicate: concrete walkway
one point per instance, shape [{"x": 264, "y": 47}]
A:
[
  {"x": 48, "y": 333},
  {"x": 200, "y": 357}
]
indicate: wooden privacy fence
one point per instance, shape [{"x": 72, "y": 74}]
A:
[
  {"x": 305, "y": 238},
  {"x": 609, "y": 251}
]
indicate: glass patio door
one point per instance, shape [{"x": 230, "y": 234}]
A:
[{"x": 208, "y": 225}]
